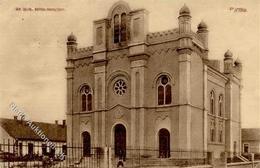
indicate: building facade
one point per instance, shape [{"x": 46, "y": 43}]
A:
[
  {"x": 19, "y": 139},
  {"x": 142, "y": 90},
  {"x": 251, "y": 140}
]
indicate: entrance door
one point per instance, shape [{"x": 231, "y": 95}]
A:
[
  {"x": 164, "y": 143},
  {"x": 120, "y": 141},
  {"x": 86, "y": 143}
]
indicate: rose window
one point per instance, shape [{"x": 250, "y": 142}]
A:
[{"x": 120, "y": 87}]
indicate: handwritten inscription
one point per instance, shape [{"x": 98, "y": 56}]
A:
[
  {"x": 28, "y": 9},
  {"x": 233, "y": 9}
]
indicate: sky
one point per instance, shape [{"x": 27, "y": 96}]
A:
[{"x": 33, "y": 46}]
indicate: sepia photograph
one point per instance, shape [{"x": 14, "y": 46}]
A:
[{"x": 130, "y": 83}]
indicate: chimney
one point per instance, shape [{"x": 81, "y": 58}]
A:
[
  {"x": 63, "y": 122},
  {"x": 56, "y": 122},
  {"x": 15, "y": 117}
]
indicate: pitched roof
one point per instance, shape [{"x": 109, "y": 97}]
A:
[
  {"x": 21, "y": 130},
  {"x": 251, "y": 134}
]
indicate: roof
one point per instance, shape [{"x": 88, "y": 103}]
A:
[
  {"x": 251, "y": 134},
  {"x": 21, "y": 130},
  {"x": 184, "y": 10}
]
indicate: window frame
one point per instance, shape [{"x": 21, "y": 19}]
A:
[
  {"x": 120, "y": 25},
  {"x": 164, "y": 95},
  {"x": 220, "y": 106},
  {"x": 248, "y": 147},
  {"x": 88, "y": 105},
  {"x": 212, "y": 107}
]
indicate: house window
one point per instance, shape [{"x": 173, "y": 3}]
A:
[
  {"x": 164, "y": 91},
  {"x": 52, "y": 151},
  {"x": 212, "y": 102},
  {"x": 64, "y": 149},
  {"x": 120, "y": 28},
  {"x": 246, "y": 148},
  {"x": 86, "y": 98},
  {"x": 30, "y": 149},
  {"x": 220, "y": 105},
  {"x": 44, "y": 149}
]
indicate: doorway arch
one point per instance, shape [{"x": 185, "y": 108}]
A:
[
  {"x": 164, "y": 143},
  {"x": 120, "y": 141},
  {"x": 86, "y": 139}
]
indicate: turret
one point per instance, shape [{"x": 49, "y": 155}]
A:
[
  {"x": 184, "y": 20},
  {"x": 71, "y": 45},
  {"x": 203, "y": 33},
  {"x": 238, "y": 65},
  {"x": 228, "y": 62}
]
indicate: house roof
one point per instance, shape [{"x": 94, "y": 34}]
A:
[
  {"x": 22, "y": 131},
  {"x": 251, "y": 134}
]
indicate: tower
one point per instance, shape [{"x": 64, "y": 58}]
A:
[
  {"x": 184, "y": 20},
  {"x": 203, "y": 33}
]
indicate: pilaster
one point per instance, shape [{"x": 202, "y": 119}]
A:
[
  {"x": 99, "y": 101},
  {"x": 184, "y": 100},
  {"x": 70, "y": 70},
  {"x": 138, "y": 58},
  {"x": 205, "y": 110},
  {"x": 228, "y": 111}
]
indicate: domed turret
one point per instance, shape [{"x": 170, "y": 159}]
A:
[
  {"x": 238, "y": 65},
  {"x": 228, "y": 62},
  {"x": 202, "y": 25},
  {"x": 228, "y": 54},
  {"x": 203, "y": 33},
  {"x": 184, "y": 20},
  {"x": 184, "y": 10},
  {"x": 71, "y": 44},
  {"x": 238, "y": 62},
  {"x": 72, "y": 37}
]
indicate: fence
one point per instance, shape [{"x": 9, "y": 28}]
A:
[
  {"x": 18, "y": 154},
  {"x": 37, "y": 154}
]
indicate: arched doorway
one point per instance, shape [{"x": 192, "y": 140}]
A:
[
  {"x": 164, "y": 143},
  {"x": 120, "y": 141},
  {"x": 86, "y": 144}
]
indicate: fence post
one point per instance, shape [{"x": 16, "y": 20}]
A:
[
  {"x": 109, "y": 157},
  {"x": 105, "y": 164},
  {"x": 253, "y": 158}
]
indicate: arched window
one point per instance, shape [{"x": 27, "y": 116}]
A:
[
  {"x": 212, "y": 102},
  {"x": 212, "y": 131},
  {"x": 83, "y": 102},
  {"x": 86, "y": 98},
  {"x": 116, "y": 28},
  {"x": 164, "y": 91},
  {"x": 164, "y": 143},
  {"x": 120, "y": 28},
  {"x": 220, "y": 136},
  {"x": 86, "y": 143},
  {"x": 220, "y": 103},
  {"x": 220, "y": 129},
  {"x": 123, "y": 27}
]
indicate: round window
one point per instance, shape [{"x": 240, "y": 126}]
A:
[
  {"x": 164, "y": 80},
  {"x": 120, "y": 87}
]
